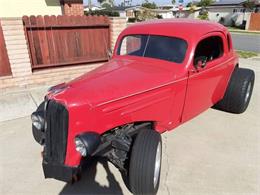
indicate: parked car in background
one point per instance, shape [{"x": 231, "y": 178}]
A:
[{"x": 162, "y": 74}]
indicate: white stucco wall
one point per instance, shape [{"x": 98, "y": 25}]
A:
[
  {"x": 18, "y": 8},
  {"x": 122, "y": 13},
  {"x": 166, "y": 14},
  {"x": 228, "y": 14}
]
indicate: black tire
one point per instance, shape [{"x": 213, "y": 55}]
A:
[
  {"x": 143, "y": 161},
  {"x": 239, "y": 91}
]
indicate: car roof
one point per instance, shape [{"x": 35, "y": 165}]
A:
[{"x": 182, "y": 28}]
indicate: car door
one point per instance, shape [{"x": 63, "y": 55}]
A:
[{"x": 206, "y": 85}]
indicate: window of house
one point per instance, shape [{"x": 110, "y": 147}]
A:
[{"x": 210, "y": 48}]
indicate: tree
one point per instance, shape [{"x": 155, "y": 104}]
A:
[
  {"x": 189, "y": 4},
  {"x": 204, "y": 16},
  {"x": 149, "y": 5},
  {"x": 111, "y": 2},
  {"x": 173, "y": 2},
  {"x": 205, "y": 3},
  {"x": 106, "y": 5},
  {"x": 249, "y": 4},
  {"x": 145, "y": 14}
]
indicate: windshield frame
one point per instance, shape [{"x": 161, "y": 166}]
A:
[{"x": 119, "y": 45}]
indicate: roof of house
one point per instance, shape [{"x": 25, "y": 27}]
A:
[
  {"x": 227, "y": 2},
  {"x": 139, "y": 7},
  {"x": 120, "y": 8},
  {"x": 92, "y": 5}
]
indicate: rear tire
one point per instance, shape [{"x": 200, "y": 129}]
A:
[
  {"x": 145, "y": 163},
  {"x": 239, "y": 91}
]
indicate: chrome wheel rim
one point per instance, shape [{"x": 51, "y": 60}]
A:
[
  {"x": 157, "y": 166},
  {"x": 248, "y": 92}
]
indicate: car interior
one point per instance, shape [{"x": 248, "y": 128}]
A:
[{"x": 208, "y": 49}]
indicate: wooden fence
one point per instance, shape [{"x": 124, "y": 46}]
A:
[
  {"x": 254, "y": 22},
  {"x": 66, "y": 40},
  {"x": 4, "y": 61}
]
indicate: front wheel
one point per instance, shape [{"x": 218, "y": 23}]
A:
[{"x": 145, "y": 163}]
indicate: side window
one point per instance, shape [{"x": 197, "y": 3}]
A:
[
  {"x": 131, "y": 44},
  {"x": 210, "y": 48}
]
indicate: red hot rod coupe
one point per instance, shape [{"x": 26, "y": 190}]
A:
[{"x": 162, "y": 74}]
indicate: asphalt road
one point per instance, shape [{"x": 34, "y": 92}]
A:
[
  {"x": 216, "y": 153},
  {"x": 246, "y": 42}
]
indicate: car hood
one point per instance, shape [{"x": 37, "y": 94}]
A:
[{"x": 118, "y": 79}]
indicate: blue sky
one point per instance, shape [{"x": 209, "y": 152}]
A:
[{"x": 134, "y": 2}]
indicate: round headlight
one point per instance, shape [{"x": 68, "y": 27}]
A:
[
  {"x": 80, "y": 147},
  {"x": 37, "y": 121}
]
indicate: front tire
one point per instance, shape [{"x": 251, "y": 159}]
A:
[
  {"x": 239, "y": 91},
  {"x": 145, "y": 163}
]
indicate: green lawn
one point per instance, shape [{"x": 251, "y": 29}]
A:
[
  {"x": 246, "y": 54},
  {"x": 236, "y": 30}
]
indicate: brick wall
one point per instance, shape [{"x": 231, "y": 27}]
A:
[
  {"x": 73, "y": 7},
  {"x": 22, "y": 75},
  {"x": 254, "y": 23},
  {"x": 17, "y": 51},
  {"x": 117, "y": 26}
]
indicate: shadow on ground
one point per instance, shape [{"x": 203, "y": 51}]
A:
[{"x": 88, "y": 185}]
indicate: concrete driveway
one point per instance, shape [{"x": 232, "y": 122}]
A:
[{"x": 215, "y": 154}]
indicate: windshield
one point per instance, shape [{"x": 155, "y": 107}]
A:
[{"x": 153, "y": 46}]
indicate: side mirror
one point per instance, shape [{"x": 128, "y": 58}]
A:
[{"x": 201, "y": 62}]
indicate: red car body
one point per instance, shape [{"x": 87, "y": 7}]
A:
[{"x": 128, "y": 89}]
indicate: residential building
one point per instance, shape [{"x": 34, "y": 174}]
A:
[
  {"x": 164, "y": 13},
  {"x": 38, "y": 46},
  {"x": 229, "y": 12},
  {"x": 92, "y": 7}
]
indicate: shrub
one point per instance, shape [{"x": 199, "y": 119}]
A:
[
  {"x": 131, "y": 20},
  {"x": 159, "y": 16},
  {"x": 204, "y": 16},
  {"x": 103, "y": 13}
]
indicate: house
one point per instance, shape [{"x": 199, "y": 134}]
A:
[
  {"x": 18, "y": 8},
  {"x": 168, "y": 6},
  {"x": 186, "y": 12},
  {"x": 34, "y": 50},
  {"x": 228, "y": 12},
  {"x": 121, "y": 10},
  {"x": 132, "y": 11},
  {"x": 92, "y": 7}
]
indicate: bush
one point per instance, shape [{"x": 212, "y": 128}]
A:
[
  {"x": 159, "y": 17},
  {"x": 204, "y": 16},
  {"x": 131, "y": 20},
  {"x": 103, "y": 13}
]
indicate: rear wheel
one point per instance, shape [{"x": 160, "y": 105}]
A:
[
  {"x": 145, "y": 163},
  {"x": 239, "y": 91}
]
